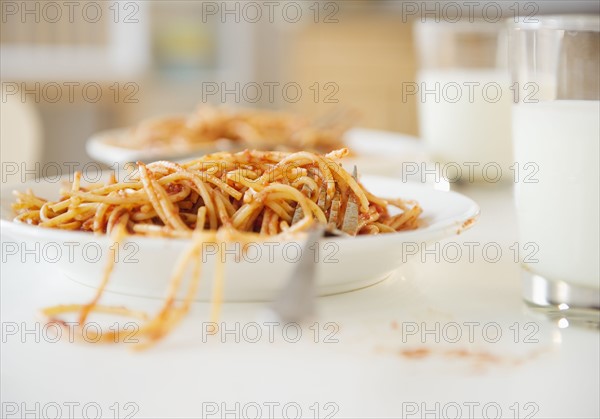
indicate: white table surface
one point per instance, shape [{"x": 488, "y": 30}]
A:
[{"x": 369, "y": 372}]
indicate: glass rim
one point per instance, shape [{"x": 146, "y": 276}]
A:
[{"x": 567, "y": 22}]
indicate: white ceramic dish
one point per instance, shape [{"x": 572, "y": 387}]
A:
[
  {"x": 375, "y": 152},
  {"x": 384, "y": 152},
  {"x": 344, "y": 264},
  {"x": 104, "y": 147}
]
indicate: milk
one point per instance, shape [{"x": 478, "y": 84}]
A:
[
  {"x": 474, "y": 128},
  {"x": 560, "y": 213}
]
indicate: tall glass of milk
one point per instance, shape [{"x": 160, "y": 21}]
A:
[
  {"x": 556, "y": 129},
  {"x": 464, "y": 98}
]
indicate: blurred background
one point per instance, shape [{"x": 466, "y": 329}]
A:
[{"x": 69, "y": 69}]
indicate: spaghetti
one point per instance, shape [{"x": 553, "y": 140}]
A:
[
  {"x": 245, "y": 128},
  {"x": 241, "y": 196}
]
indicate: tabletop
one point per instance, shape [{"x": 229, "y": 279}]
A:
[{"x": 445, "y": 336}]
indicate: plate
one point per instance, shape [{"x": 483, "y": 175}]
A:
[
  {"x": 384, "y": 153},
  {"x": 104, "y": 147},
  {"x": 144, "y": 264},
  {"x": 375, "y": 152}
]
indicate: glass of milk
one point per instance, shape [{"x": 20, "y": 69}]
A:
[
  {"x": 464, "y": 98},
  {"x": 556, "y": 130}
]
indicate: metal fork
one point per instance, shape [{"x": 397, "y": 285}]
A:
[
  {"x": 350, "y": 220},
  {"x": 297, "y": 299}
]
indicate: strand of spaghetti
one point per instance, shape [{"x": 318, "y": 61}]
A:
[
  {"x": 296, "y": 160},
  {"x": 223, "y": 161},
  {"x": 397, "y": 221},
  {"x": 112, "y": 187},
  {"x": 369, "y": 229},
  {"x": 304, "y": 224},
  {"x": 188, "y": 219},
  {"x": 245, "y": 212},
  {"x": 50, "y": 312},
  {"x": 44, "y": 217},
  {"x": 88, "y": 224},
  {"x": 291, "y": 193},
  {"x": 337, "y": 154},
  {"x": 171, "y": 212},
  {"x": 305, "y": 180},
  {"x": 242, "y": 173},
  {"x": 413, "y": 222},
  {"x": 265, "y": 221},
  {"x": 201, "y": 218},
  {"x": 281, "y": 200},
  {"x": 73, "y": 225},
  {"x": 112, "y": 179},
  {"x": 119, "y": 216},
  {"x": 401, "y": 203},
  {"x": 216, "y": 162},
  {"x": 116, "y": 236},
  {"x": 249, "y": 183},
  {"x": 277, "y": 209},
  {"x": 185, "y": 204},
  {"x": 143, "y": 216},
  {"x": 92, "y": 335},
  {"x": 155, "y": 327},
  {"x": 373, "y": 215},
  {"x": 145, "y": 177},
  {"x": 131, "y": 198},
  {"x": 224, "y": 200},
  {"x": 221, "y": 210},
  {"x": 146, "y": 181},
  {"x": 384, "y": 228},
  {"x": 31, "y": 215},
  {"x": 60, "y": 219},
  {"x": 294, "y": 173},
  {"x": 375, "y": 199},
  {"x": 175, "y": 314},
  {"x": 179, "y": 196},
  {"x": 84, "y": 210},
  {"x": 346, "y": 178},
  {"x": 146, "y": 208},
  {"x": 221, "y": 185},
  {"x": 74, "y": 203},
  {"x": 273, "y": 156},
  {"x": 273, "y": 227},
  {"x": 217, "y": 295},
  {"x": 248, "y": 224},
  {"x": 205, "y": 194},
  {"x": 195, "y": 282},
  {"x": 283, "y": 226},
  {"x": 204, "y": 176},
  {"x": 281, "y": 206},
  {"x": 75, "y": 210},
  {"x": 317, "y": 211},
  {"x": 76, "y": 182},
  {"x": 32, "y": 199}
]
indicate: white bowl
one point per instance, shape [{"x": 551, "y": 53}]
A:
[{"x": 344, "y": 264}]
